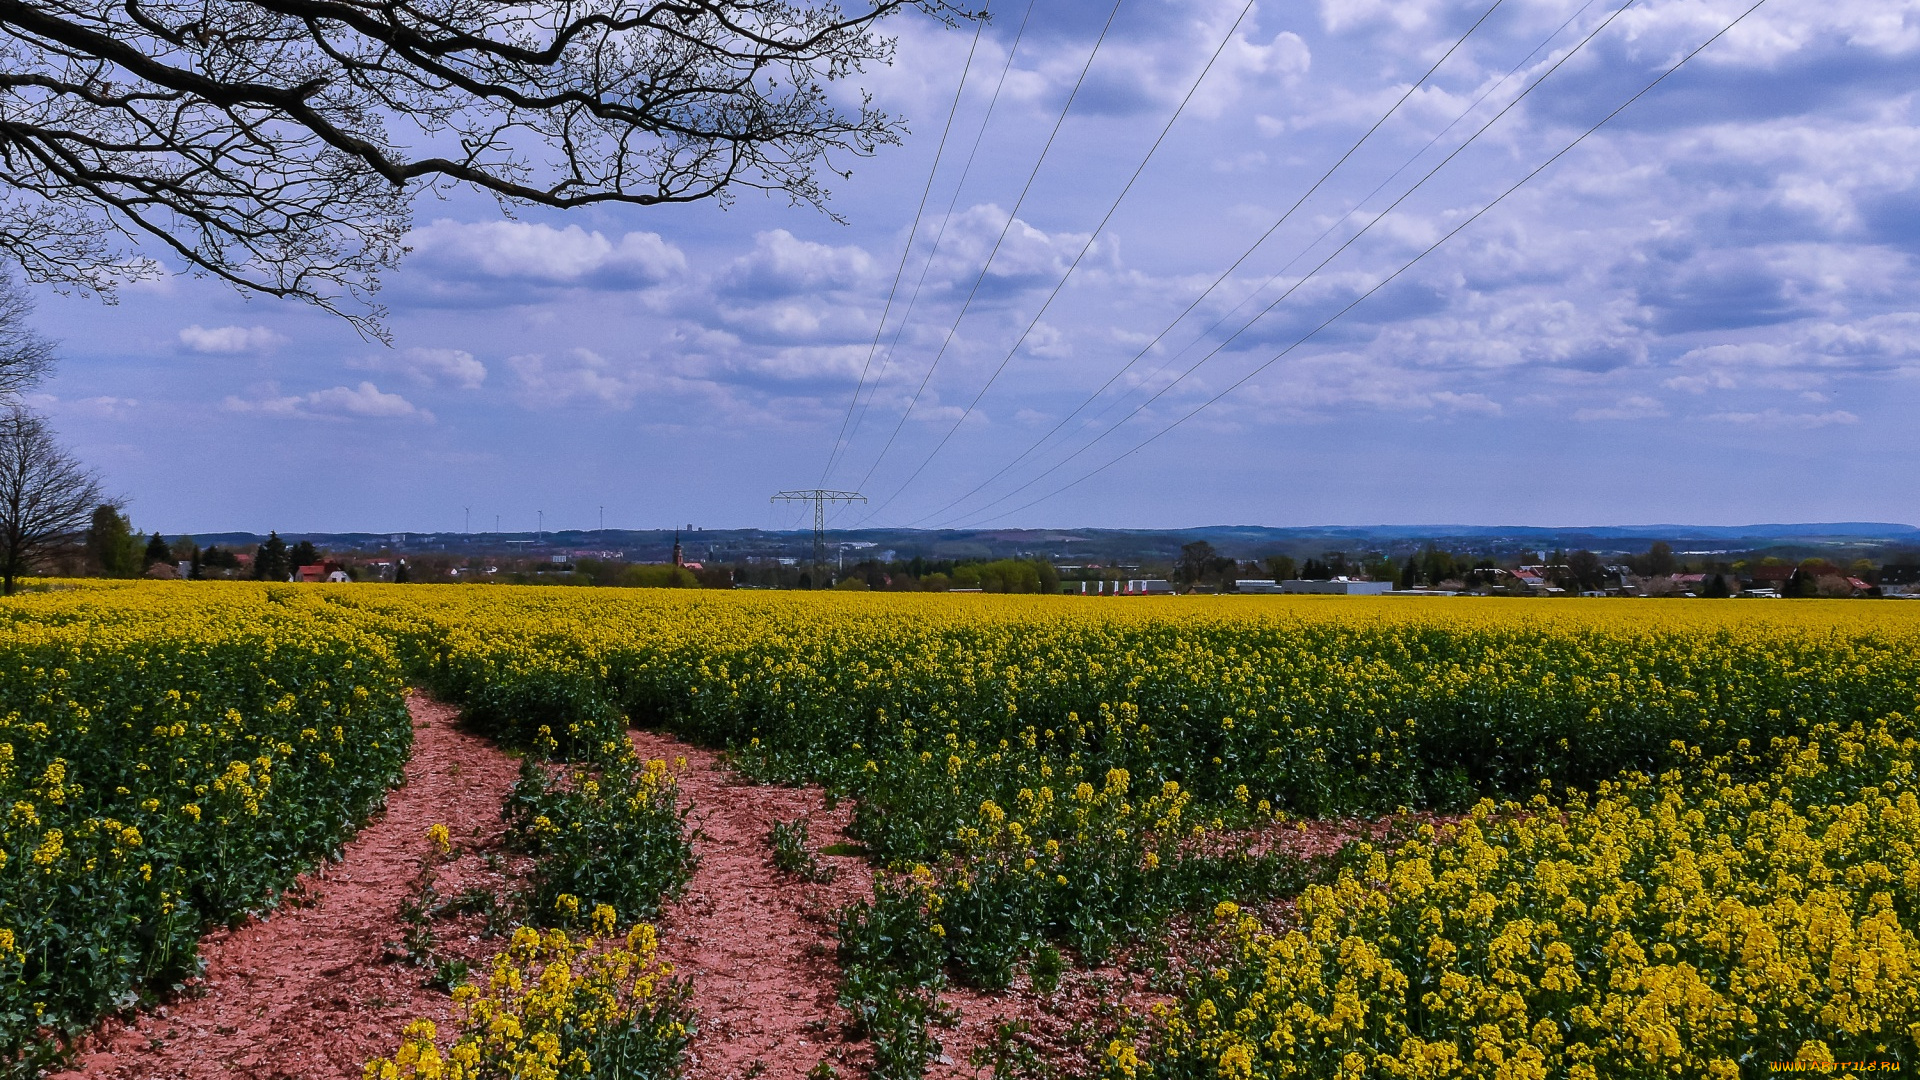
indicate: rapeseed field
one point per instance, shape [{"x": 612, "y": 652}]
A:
[{"x": 1685, "y": 837}]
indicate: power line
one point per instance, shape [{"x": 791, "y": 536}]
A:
[
  {"x": 946, "y": 219},
  {"x": 985, "y": 266},
  {"x": 1430, "y": 249},
  {"x": 1075, "y": 265},
  {"x": 1311, "y": 274},
  {"x": 1225, "y": 274},
  {"x": 819, "y": 497},
  {"x": 913, "y": 231}
]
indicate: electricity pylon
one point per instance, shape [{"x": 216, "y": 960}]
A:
[{"x": 819, "y": 497}]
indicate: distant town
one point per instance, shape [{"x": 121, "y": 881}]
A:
[{"x": 1852, "y": 560}]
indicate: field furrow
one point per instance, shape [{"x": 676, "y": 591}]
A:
[{"x": 314, "y": 991}]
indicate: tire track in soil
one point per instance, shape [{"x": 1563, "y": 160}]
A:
[
  {"x": 756, "y": 943},
  {"x": 309, "y": 992}
]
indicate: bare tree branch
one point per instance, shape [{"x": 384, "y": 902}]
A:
[
  {"x": 25, "y": 357},
  {"x": 277, "y": 144},
  {"x": 46, "y": 496}
]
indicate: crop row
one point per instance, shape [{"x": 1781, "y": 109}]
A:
[
  {"x": 1041, "y": 773},
  {"x": 1684, "y": 925},
  {"x": 169, "y": 760}
]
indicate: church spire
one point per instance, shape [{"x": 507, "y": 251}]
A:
[{"x": 678, "y": 559}]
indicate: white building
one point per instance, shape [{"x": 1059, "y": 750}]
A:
[{"x": 1339, "y": 587}]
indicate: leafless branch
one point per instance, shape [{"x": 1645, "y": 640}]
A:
[{"x": 277, "y": 144}]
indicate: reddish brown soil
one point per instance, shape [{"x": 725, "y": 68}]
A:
[
  {"x": 319, "y": 989},
  {"x": 312, "y": 992},
  {"x": 757, "y": 943},
  {"x": 1069, "y": 1028}
]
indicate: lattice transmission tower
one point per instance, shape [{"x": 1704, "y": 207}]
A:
[{"x": 819, "y": 497}]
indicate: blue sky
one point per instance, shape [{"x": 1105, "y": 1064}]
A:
[{"x": 1707, "y": 311}]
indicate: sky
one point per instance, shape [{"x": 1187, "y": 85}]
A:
[{"x": 1705, "y": 311}]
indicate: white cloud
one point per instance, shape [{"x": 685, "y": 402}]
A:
[
  {"x": 1341, "y": 15},
  {"x": 428, "y": 367},
  {"x": 105, "y": 407},
  {"x": 782, "y": 264},
  {"x": 1479, "y": 404},
  {"x": 1026, "y": 252},
  {"x": 580, "y": 375},
  {"x": 540, "y": 254},
  {"x": 231, "y": 340},
  {"x": 1775, "y": 418},
  {"x": 365, "y": 401},
  {"x": 1636, "y": 407}
]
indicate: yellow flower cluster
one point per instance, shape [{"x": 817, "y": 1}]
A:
[
  {"x": 1042, "y": 753},
  {"x": 1685, "y": 925},
  {"x": 146, "y": 733},
  {"x": 555, "y": 1006}
]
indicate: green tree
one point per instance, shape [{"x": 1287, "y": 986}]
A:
[
  {"x": 219, "y": 558},
  {"x": 658, "y": 576},
  {"x": 302, "y": 554},
  {"x": 157, "y": 551},
  {"x": 1282, "y": 567},
  {"x": 112, "y": 548},
  {"x": 1659, "y": 560},
  {"x": 270, "y": 559},
  {"x": 1008, "y": 576},
  {"x": 1717, "y": 588},
  {"x": 1587, "y": 570}
]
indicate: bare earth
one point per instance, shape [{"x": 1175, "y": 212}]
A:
[
  {"x": 318, "y": 989},
  {"x": 309, "y": 993},
  {"x": 757, "y": 943}
]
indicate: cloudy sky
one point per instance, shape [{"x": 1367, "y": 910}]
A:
[{"x": 1705, "y": 312}]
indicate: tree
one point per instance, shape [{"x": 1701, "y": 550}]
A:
[
  {"x": 218, "y": 558},
  {"x": 278, "y": 144},
  {"x": 1717, "y": 588},
  {"x": 1436, "y": 566},
  {"x": 157, "y": 551},
  {"x": 302, "y": 554},
  {"x": 1282, "y": 567},
  {"x": 1658, "y": 561},
  {"x": 46, "y": 496},
  {"x": 658, "y": 576},
  {"x": 24, "y": 355},
  {"x": 1194, "y": 559},
  {"x": 1587, "y": 570},
  {"x": 270, "y": 559},
  {"x": 111, "y": 546},
  {"x": 1201, "y": 564}
]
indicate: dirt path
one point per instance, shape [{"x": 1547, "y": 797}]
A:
[
  {"x": 310, "y": 993},
  {"x": 315, "y": 991},
  {"x": 757, "y": 943}
]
